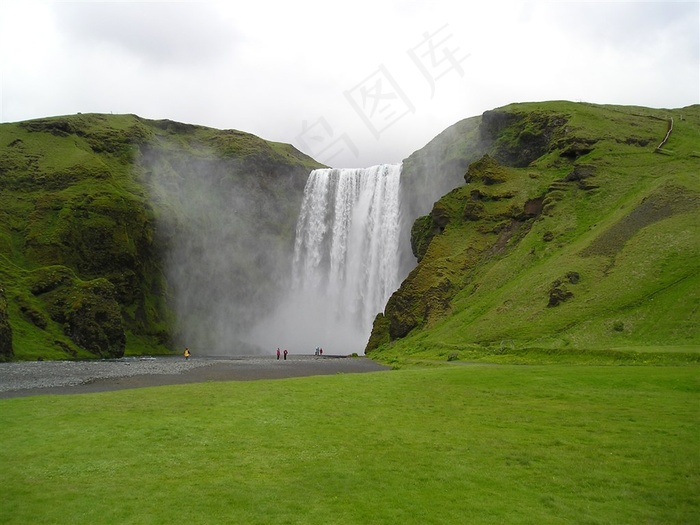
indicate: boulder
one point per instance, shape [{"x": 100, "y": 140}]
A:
[{"x": 6, "y": 350}]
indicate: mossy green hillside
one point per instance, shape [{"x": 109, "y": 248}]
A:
[
  {"x": 586, "y": 241},
  {"x": 82, "y": 199}
]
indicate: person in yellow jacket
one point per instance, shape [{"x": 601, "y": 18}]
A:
[{"x": 186, "y": 353}]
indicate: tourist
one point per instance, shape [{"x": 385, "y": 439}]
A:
[
  {"x": 278, "y": 354},
  {"x": 285, "y": 354},
  {"x": 186, "y": 353}
]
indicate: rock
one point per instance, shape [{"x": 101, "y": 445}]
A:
[
  {"x": 573, "y": 277},
  {"x": 558, "y": 295},
  {"x": 32, "y": 315},
  {"x": 421, "y": 234},
  {"x": 380, "y": 333},
  {"x": 518, "y": 138},
  {"x": 6, "y": 350},
  {"x": 533, "y": 207},
  {"x": 473, "y": 211},
  {"x": 582, "y": 174},
  {"x": 577, "y": 148},
  {"x": 88, "y": 310},
  {"x": 486, "y": 170}
]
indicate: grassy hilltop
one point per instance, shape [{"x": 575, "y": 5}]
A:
[
  {"x": 90, "y": 207},
  {"x": 571, "y": 234}
]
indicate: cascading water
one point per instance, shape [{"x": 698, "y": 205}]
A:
[
  {"x": 346, "y": 250},
  {"x": 346, "y": 262}
]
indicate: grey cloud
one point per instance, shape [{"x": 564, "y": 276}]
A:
[
  {"x": 161, "y": 33},
  {"x": 636, "y": 26}
]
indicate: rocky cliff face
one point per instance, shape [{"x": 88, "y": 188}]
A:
[
  {"x": 515, "y": 252},
  {"x": 433, "y": 171},
  {"x": 6, "y": 349}
]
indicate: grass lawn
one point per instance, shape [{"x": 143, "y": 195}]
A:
[{"x": 453, "y": 444}]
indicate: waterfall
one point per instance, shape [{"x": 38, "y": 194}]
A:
[
  {"x": 346, "y": 262},
  {"x": 346, "y": 249}
]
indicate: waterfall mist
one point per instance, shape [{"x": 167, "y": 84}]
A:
[
  {"x": 227, "y": 231},
  {"x": 345, "y": 263}
]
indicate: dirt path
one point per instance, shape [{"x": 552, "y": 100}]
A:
[{"x": 50, "y": 378}]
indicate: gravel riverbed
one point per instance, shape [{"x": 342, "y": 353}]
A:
[{"x": 27, "y": 378}]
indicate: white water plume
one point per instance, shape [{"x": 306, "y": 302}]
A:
[{"x": 345, "y": 261}]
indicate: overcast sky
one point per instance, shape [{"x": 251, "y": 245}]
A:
[{"x": 353, "y": 83}]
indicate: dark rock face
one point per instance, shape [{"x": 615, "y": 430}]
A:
[
  {"x": 559, "y": 291},
  {"x": 95, "y": 323},
  {"x": 533, "y": 207},
  {"x": 520, "y": 138},
  {"x": 558, "y": 295},
  {"x": 89, "y": 311},
  {"x": 582, "y": 174},
  {"x": 6, "y": 350},
  {"x": 97, "y": 235},
  {"x": 380, "y": 332},
  {"x": 422, "y": 232},
  {"x": 32, "y": 315},
  {"x": 573, "y": 277},
  {"x": 577, "y": 148},
  {"x": 493, "y": 122},
  {"x": 399, "y": 311},
  {"x": 430, "y": 173}
]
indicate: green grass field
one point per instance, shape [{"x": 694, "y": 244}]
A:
[{"x": 452, "y": 444}]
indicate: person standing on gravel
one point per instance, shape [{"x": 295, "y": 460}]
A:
[
  {"x": 278, "y": 354},
  {"x": 186, "y": 353},
  {"x": 285, "y": 354}
]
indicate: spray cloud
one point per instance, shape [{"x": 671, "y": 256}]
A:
[{"x": 227, "y": 226}]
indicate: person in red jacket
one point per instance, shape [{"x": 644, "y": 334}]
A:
[{"x": 278, "y": 354}]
